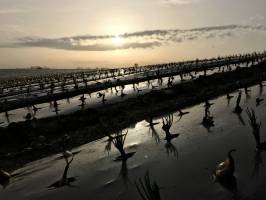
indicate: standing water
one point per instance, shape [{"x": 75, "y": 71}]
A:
[{"x": 182, "y": 168}]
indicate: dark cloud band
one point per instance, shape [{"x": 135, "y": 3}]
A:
[{"x": 142, "y": 39}]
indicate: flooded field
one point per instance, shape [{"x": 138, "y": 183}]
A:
[
  {"x": 182, "y": 166},
  {"x": 23, "y": 73},
  {"x": 26, "y": 91},
  {"x": 94, "y": 99},
  {"x": 132, "y": 100}
]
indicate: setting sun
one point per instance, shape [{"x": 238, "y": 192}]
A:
[{"x": 118, "y": 41}]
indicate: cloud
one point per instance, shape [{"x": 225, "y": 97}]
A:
[
  {"x": 75, "y": 44},
  {"x": 133, "y": 40},
  {"x": 178, "y": 2},
  {"x": 11, "y": 11},
  {"x": 256, "y": 19}
]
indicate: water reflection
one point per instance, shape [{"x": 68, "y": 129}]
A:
[
  {"x": 148, "y": 190},
  {"x": 229, "y": 97},
  {"x": 208, "y": 104},
  {"x": 207, "y": 120},
  {"x": 67, "y": 154},
  {"x": 241, "y": 119},
  {"x": 122, "y": 95},
  {"x": 35, "y": 110},
  {"x": 101, "y": 95},
  {"x": 167, "y": 124},
  {"x": 258, "y": 163},
  {"x": 181, "y": 114},
  {"x": 261, "y": 88},
  {"x": 261, "y": 146},
  {"x": 82, "y": 99},
  {"x": 108, "y": 146},
  {"x": 124, "y": 173},
  {"x": 238, "y": 110},
  {"x": 118, "y": 140},
  {"x": 171, "y": 149},
  {"x": 7, "y": 117},
  {"x": 230, "y": 183},
  {"x": 28, "y": 116},
  {"x": 138, "y": 90},
  {"x": 7, "y": 178},
  {"x": 258, "y": 101},
  {"x": 247, "y": 93},
  {"x": 154, "y": 134},
  {"x": 56, "y": 107},
  {"x": 151, "y": 123}
]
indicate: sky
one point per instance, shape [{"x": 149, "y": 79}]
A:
[{"x": 116, "y": 33}]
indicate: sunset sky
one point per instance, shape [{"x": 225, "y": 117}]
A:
[{"x": 109, "y": 33}]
